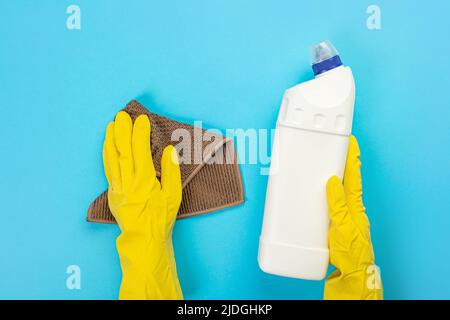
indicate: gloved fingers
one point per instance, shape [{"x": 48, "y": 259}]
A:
[
  {"x": 123, "y": 127},
  {"x": 111, "y": 159},
  {"x": 143, "y": 162},
  {"x": 171, "y": 177},
  {"x": 337, "y": 202}
]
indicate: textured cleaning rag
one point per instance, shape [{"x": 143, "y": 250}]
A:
[{"x": 210, "y": 174}]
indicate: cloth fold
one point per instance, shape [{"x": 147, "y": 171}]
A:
[{"x": 210, "y": 173}]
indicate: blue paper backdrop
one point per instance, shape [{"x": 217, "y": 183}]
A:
[{"x": 226, "y": 63}]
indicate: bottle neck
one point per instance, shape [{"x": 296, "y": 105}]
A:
[{"x": 328, "y": 71}]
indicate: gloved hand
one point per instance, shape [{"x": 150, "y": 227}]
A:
[
  {"x": 351, "y": 252},
  {"x": 145, "y": 210}
]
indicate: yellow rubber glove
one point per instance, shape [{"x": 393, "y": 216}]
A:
[
  {"x": 145, "y": 210},
  {"x": 351, "y": 252}
]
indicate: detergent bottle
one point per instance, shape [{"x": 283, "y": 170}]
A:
[{"x": 310, "y": 145}]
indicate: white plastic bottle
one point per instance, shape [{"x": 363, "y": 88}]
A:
[{"x": 310, "y": 145}]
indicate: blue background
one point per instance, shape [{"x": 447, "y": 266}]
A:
[{"x": 226, "y": 63}]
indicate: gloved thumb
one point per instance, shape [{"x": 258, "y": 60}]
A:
[
  {"x": 171, "y": 176},
  {"x": 337, "y": 202}
]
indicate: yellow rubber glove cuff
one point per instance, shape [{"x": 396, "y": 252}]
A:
[
  {"x": 144, "y": 209},
  {"x": 356, "y": 275}
]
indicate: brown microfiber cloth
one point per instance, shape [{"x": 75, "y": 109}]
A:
[{"x": 209, "y": 184}]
